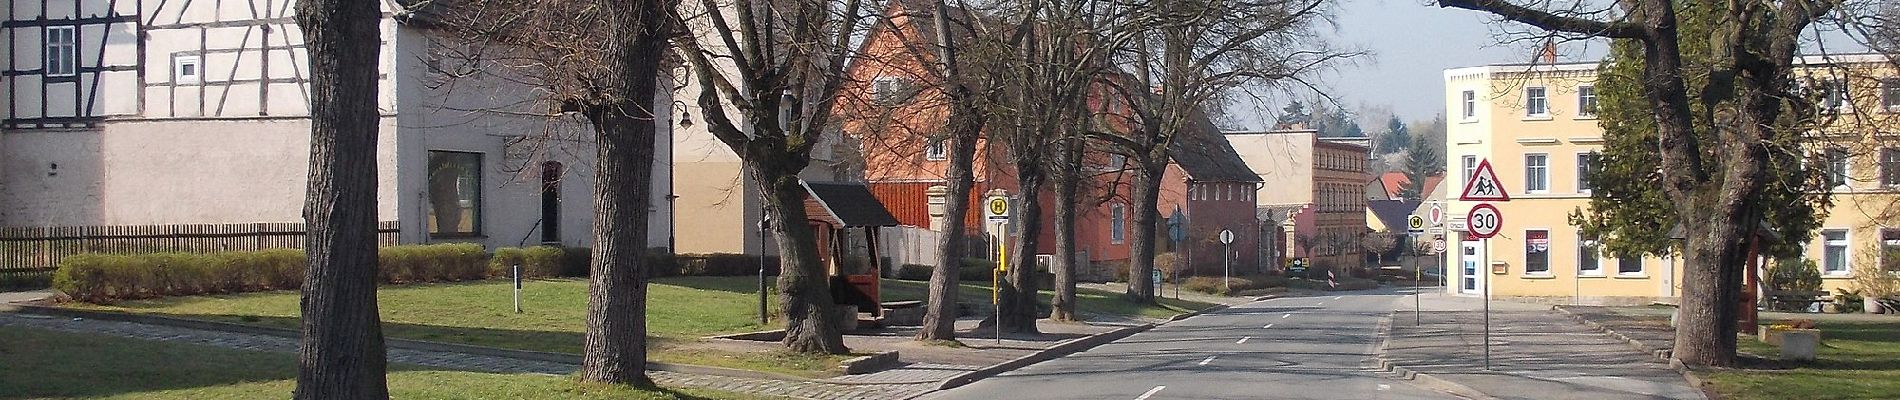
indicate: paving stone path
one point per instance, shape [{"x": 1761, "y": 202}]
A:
[{"x": 904, "y": 383}]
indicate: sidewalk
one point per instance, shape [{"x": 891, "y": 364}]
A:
[
  {"x": 25, "y": 297},
  {"x": 1536, "y": 353}
]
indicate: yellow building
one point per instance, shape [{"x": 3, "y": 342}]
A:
[{"x": 1535, "y": 124}]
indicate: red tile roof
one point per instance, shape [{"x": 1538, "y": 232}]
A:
[{"x": 1395, "y": 182}]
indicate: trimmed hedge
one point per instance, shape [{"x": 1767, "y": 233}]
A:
[
  {"x": 914, "y": 272},
  {"x": 1214, "y": 285},
  {"x": 102, "y": 278},
  {"x": 724, "y": 264}
]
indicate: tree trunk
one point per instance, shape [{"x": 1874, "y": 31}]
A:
[
  {"x": 964, "y": 124},
  {"x": 1018, "y": 298},
  {"x": 614, "y": 347},
  {"x": 1141, "y": 255},
  {"x": 341, "y": 353},
  {"x": 1068, "y": 182},
  {"x": 803, "y": 283}
]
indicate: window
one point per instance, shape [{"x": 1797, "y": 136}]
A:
[
  {"x": 61, "y": 57},
  {"x": 1536, "y": 104},
  {"x": 1586, "y": 101},
  {"x": 1117, "y": 223},
  {"x": 1629, "y": 265},
  {"x": 185, "y": 69},
  {"x": 1470, "y": 164},
  {"x": 1836, "y": 166},
  {"x": 1834, "y": 95},
  {"x": 1890, "y": 94},
  {"x": 455, "y": 194},
  {"x": 1536, "y": 173},
  {"x": 1890, "y": 166},
  {"x": 1834, "y": 252},
  {"x": 936, "y": 151},
  {"x": 1537, "y": 252},
  {"x": 887, "y": 91},
  {"x": 1584, "y": 163},
  {"x": 1587, "y": 264},
  {"x": 1117, "y": 162},
  {"x": 1471, "y": 105},
  {"x": 1890, "y": 250}
]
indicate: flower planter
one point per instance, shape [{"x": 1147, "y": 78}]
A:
[
  {"x": 1799, "y": 344},
  {"x": 1776, "y": 336}
]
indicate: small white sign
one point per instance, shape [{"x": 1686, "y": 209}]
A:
[
  {"x": 1485, "y": 221},
  {"x": 1226, "y": 236},
  {"x": 997, "y": 208},
  {"x": 1438, "y": 214}
]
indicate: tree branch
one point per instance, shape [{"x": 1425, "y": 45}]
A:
[{"x": 1548, "y": 20}]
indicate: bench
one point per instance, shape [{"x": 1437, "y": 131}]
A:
[{"x": 1794, "y": 300}]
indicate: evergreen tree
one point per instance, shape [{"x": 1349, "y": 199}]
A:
[
  {"x": 1395, "y": 138},
  {"x": 1422, "y": 160}
]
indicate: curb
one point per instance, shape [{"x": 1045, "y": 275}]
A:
[
  {"x": 868, "y": 364},
  {"x": 1423, "y": 379},
  {"x": 1687, "y": 373},
  {"x": 1052, "y": 352},
  {"x": 1063, "y": 349},
  {"x": 406, "y": 344}
]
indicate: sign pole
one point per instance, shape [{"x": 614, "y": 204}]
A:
[
  {"x": 1418, "y": 274},
  {"x": 517, "y": 273},
  {"x": 1487, "y": 303}
]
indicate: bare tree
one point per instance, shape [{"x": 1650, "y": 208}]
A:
[
  {"x": 599, "y": 60},
  {"x": 1379, "y": 243},
  {"x": 341, "y": 353},
  {"x": 1715, "y": 179},
  {"x": 1181, "y": 55},
  {"x": 782, "y": 70}
]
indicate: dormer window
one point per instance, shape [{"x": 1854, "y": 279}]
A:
[
  {"x": 936, "y": 151},
  {"x": 888, "y": 91}
]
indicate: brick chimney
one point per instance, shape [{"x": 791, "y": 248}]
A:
[{"x": 1549, "y": 54}]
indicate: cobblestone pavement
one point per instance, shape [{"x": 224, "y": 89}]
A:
[
  {"x": 868, "y": 388},
  {"x": 918, "y": 373}
]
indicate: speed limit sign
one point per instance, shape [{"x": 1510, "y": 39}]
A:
[{"x": 1484, "y": 221}]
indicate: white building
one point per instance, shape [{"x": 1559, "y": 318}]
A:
[{"x": 154, "y": 112}]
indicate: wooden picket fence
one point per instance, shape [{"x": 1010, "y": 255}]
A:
[{"x": 38, "y": 250}]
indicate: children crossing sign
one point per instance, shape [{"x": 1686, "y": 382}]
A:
[{"x": 1483, "y": 185}]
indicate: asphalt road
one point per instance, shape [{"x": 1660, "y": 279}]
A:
[{"x": 1319, "y": 347}]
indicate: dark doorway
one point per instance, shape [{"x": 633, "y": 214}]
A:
[{"x": 551, "y": 202}]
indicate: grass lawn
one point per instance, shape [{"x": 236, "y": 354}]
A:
[
  {"x": 1857, "y": 360},
  {"x": 680, "y": 310},
  {"x": 41, "y": 364}
]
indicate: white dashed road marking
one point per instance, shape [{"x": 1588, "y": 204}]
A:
[
  {"x": 1269, "y": 326},
  {"x": 1286, "y": 315},
  {"x": 1208, "y": 360},
  {"x": 1151, "y": 392},
  {"x": 1243, "y": 340}
]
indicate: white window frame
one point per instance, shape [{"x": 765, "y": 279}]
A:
[
  {"x": 1890, "y": 167},
  {"x": 1836, "y": 95},
  {"x": 1583, "y": 166},
  {"x": 179, "y": 61},
  {"x": 884, "y": 90},
  {"x": 1470, "y": 164},
  {"x": 61, "y": 59},
  {"x": 1642, "y": 267},
  {"x": 937, "y": 150},
  {"x": 1589, "y": 249},
  {"x": 1840, "y": 166},
  {"x": 1587, "y": 105},
  {"x": 1117, "y": 162},
  {"x": 1118, "y": 223},
  {"x": 1542, "y": 174},
  {"x": 1847, "y": 251},
  {"x": 1470, "y": 99},
  {"x": 1889, "y": 238},
  {"x": 1890, "y": 94},
  {"x": 1537, "y": 106}
]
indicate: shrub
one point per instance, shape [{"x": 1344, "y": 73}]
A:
[
  {"x": 725, "y": 264},
  {"x": 535, "y": 262},
  {"x": 976, "y": 270},
  {"x": 1797, "y": 274},
  {"x": 432, "y": 263},
  {"x": 102, "y": 278},
  {"x": 1214, "y": 284},
  {"x": 914, "y": 272},
  {"x": 13, "y": 280}
]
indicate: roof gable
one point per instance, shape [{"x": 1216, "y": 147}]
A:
[{"x": 1205, "y": 155}]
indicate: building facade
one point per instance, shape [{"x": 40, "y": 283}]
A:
[
  {"x": 1314, "y": 190},
  {"x": 1536, "y": 126},
  {"x": 148, "y": 113}
]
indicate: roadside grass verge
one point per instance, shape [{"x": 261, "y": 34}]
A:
[
  {"x": 50, "y": 364},
  {"x": 1856, "y": 360},
  {"x": 1087, "y": 300}
]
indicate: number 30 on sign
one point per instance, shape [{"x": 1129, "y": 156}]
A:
[{"x": 1484, "y": 221}]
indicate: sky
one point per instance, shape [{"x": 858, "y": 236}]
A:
[{"x": 1412, "y": 43}]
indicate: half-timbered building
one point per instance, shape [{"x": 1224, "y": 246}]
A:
[{"x": 182, "y": 112}]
